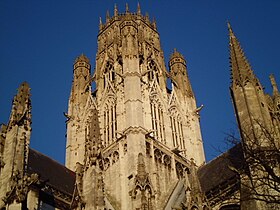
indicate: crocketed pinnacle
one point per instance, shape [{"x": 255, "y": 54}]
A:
[
  {"x": 21, "y": 103},
  {"x": 241, "y": 70}
]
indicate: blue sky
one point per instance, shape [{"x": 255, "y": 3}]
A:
[{"x": 39, "y": 41}]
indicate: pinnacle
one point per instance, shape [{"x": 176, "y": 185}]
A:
[
  {"x": 240, "y": 68},
  {"x": 125, "y": 14},
  {"x": 24, "y": 89},
  {"x": 231, "y": 34}
]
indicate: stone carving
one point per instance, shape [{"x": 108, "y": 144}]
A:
[{"x": 142, "y": 192}]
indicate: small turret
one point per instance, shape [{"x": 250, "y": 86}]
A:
[
  {"x": 179, "y": 74},
  {"x": 80, "y": 92},
  {"x": 81, "y": 79}
]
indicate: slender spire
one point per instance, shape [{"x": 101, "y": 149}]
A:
[
  {"x": 138, "y": 8},
  {"x": 115, "y": 10},
  {"x": 100, "y": 23},
  {"x": 240, "y": 68},
  {"x": 107, "y": 16},
  {"x": 274, "y": 86},
  {"x": 126, "y": 8}
]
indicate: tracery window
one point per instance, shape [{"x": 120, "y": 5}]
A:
[
  {"x": 152, "y": 71},
  {"x": 110, "y": 122},
  {"x": 177, "y": 130},
  {"x": 157, "y": 121},
  {"x": 109, "y": 73}
]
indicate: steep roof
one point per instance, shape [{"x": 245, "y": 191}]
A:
[
  {"x": 217, "y": 172},
  {"x": 52, "y": 172}
]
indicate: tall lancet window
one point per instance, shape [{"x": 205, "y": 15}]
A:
[
  {"x": 110, "y": 122},
  {"x": 177, "y": 129},
  {"x": 109, "y": 73},
  {"x": 157, "y": 119},
  {"x": 152, "y": 71}
]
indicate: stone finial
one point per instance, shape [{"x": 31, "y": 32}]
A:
[
  {"x": 274, "y": 85},
  {"x": 231, "y": 34},
  {"x": 107, "y": 16},
  {"x": 126, "y": 8},
  {"x": 138, "y": 8},
  {"x": 147, "y": 16},
  {"x": 115, "y": 10},
  {"x": 154, "y": 24},
  {"x": 100, "y": 23}
]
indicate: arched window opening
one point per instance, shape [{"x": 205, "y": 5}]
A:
[
  {"x": 110, "y": 123},
  {"x": 177, "y": 130},
  {"x": 120, "y": 63},
  {"x": 157, "y": 121},
  {"x": 109, "y": 73},
  {"x": 152, "y": 71}
]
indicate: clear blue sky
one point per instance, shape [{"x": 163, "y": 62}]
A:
[{"x": 39, "y": 41}]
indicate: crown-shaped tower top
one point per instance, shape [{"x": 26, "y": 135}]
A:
[
  {"x": 177, "y": 57},
  {"x": 127, "y": 15},
  {"x": 82, "y": 58}
]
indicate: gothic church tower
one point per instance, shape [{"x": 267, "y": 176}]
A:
[{"x": 145, "y": 138}]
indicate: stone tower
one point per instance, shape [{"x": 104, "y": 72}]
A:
[
  {"x": 145, "y": 144},
  {"x": 258, "y": 119}
]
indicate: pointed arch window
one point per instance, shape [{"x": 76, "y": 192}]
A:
[
  {"x": 177, "y": 129},
  {"x": 110, "y": 122},
  {"x": 109, "y": 73},
  {"x": 152, "y": 71},
  {"x": 157, "y": 119}
]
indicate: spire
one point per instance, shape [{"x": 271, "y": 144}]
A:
[
  {"x": 241, "y": 70},
  {"x": 138, "y": 8},
  {"x": 126, "y": 8},
  {"x": 107, "y": 16},
  {"x": 100, "y": 22},
  {"x": 154, "y": 23},
  {"x": 115, "y": 10},
  {"x": 274, "y": 85}
]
